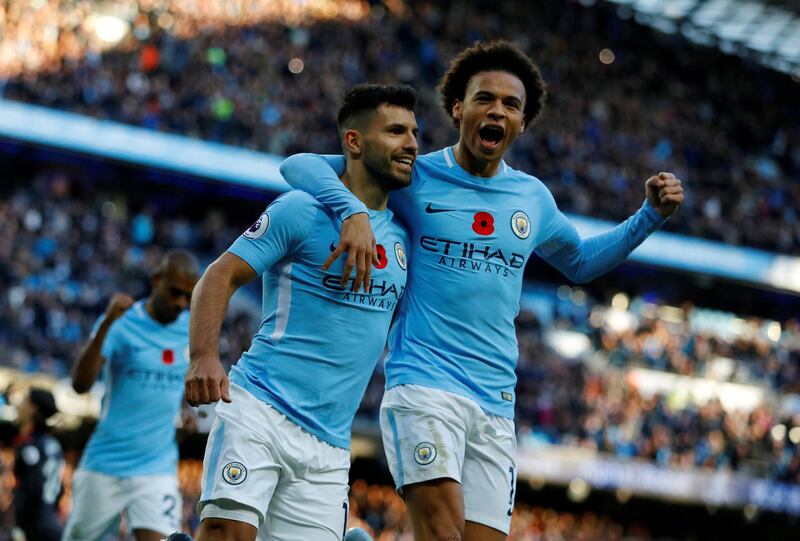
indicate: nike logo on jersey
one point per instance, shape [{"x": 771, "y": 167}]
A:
[{"x": 430, "y": 210}]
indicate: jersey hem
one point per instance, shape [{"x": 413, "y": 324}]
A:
[
  {"x": 266, "y": 398},
  {"x": 126, "y": 475},
  {"x": 488, "y": 408}
]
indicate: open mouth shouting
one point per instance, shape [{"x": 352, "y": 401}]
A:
[{"x": 491, "y": 135}]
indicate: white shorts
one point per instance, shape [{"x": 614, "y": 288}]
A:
[
  {"x": 431, "y": 434},
  {"x": 150, "y": 502},
  {"x": 263, "y": 469}
]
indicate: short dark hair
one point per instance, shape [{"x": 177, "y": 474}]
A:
[
  {"x": 368, "y": 97},
  {"x": 45, "y": 405},
  {"x": 493, "y": 56}
]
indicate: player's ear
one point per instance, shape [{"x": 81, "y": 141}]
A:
[
  {"x": 522, "y": 127},
  {"x": 457, "y": 111},
  {"x": 352, "y": 141}
]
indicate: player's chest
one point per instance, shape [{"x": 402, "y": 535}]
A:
[
  {"x": 391, "y": 250},
  {"x": 388, "y": 274},
  {"x": 148, "y": 355},
  {"x": 466, "y": 223}
]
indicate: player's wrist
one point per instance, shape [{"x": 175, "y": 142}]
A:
[
  {"x": 357, "y": 216},
  {"x": 204, "y": 358}
]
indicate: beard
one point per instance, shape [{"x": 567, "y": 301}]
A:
[{"x": 380, "y": 168}]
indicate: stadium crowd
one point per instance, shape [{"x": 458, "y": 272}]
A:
[
  {"x": 598, "y": 406},
  {"x": 66, "y": 246},
  {"x": 699, "y": 342},
  {"x": 731, "y": 133},
  {"x": 379, "y": 510}
]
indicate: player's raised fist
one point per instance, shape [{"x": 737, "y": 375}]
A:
[
  {"x": 206, "y": 382},
  {"x": 664, "y": 193},
  {"x": 117, "y": 305}
]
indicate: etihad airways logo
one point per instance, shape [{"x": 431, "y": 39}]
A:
[
  {"x": 156, "y": 379},
  {"x": 471, "y": 256},
  {"x": 382, "y": 293}
]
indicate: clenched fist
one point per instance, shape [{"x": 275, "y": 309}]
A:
[
  {"x": 665, "y": 193},
  {"x": 206, "y": 382},
  {"x": 117, "y": 306}
]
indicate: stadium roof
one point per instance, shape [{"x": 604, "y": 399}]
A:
[{"x": 766, "y": 30}]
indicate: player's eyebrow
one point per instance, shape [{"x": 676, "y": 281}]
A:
[
  {"x": 397, "y": 126},
  {"x": 484, "y": 94},
  {"x": 491, "y": 95}
]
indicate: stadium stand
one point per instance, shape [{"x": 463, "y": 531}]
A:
[
  {"x": 731, "y": 131},
  {"x": 684, "y": 387}
]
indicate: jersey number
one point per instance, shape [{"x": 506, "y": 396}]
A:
[
  {"x": 344, "y": 529},
  {"x": 169, "y": 504},
  {"x": 513, "y": 488}
]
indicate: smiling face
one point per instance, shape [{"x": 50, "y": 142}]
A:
[
  {"x": 390, "y": 146},
  {"x": 490, "y": 118}
]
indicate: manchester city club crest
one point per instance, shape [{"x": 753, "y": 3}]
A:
[
  {"x": 400, "y": 254},
  {"x": 234, "y": 473},
  {"x": 521, "y": 224},
  {"x": 258, "y": 228},
  {"x": 425, "y": 453}
]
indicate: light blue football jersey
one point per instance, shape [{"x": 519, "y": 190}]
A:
[
  {"x": 318, "y": 344},
  {"x": 471, "y": 238},
  {"x": 145, "y": 366}
]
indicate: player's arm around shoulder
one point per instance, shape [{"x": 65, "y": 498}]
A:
[{"x": 91, "y": 359}]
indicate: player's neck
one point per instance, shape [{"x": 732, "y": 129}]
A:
[
  {"x": 369, "y": 191},
  {"x": 151, "y": 311},
  {"x": 473, "y": 165}
]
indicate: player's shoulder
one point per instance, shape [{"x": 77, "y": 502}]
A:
[
  {"x": 296, "y": 200},
  {"x": 523, "y": 177},
  {"x": 435, "y": 158},
  {"x": 130, "y": 322},
  {"x": 527, "y": 182},
  {"x": 136, "y": 312},
  {"x": 297, "y": 209}
]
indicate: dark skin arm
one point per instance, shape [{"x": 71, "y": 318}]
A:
[
  {"x": 206, "y": 380},
  {"x": 90, "y": 361}
]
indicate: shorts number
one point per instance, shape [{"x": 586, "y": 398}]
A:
[
  {"x": 344, "y": 529},
  {"x": 169, "y": 504},
  {"x": 513, "y": 474}
]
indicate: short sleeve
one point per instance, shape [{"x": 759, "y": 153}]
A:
[{"x": 278, "y": 231}]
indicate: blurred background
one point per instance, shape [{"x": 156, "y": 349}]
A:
[{"x": 659, "y": 402}]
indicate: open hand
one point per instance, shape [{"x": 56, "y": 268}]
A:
[{"x": 358, "y": 241}]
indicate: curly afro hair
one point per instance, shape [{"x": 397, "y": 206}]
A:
[{"x": 493, "y": 56}]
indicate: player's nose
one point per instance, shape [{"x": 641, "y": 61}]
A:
[
  {"x": 410, "y": 144},
  {"x": 496, "y": 110}
]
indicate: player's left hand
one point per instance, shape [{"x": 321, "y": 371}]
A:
[{"x": 665, "y": 193}]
